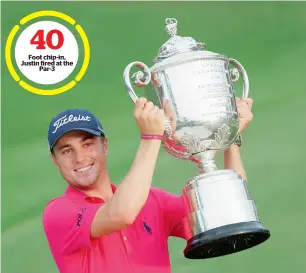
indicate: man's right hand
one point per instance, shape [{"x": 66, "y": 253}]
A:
[{"x": 149, "y": 117}]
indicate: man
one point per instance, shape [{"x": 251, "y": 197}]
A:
[{"x": 96, "y": 227}]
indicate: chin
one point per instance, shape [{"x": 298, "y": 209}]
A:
[
  {"x": 86, "y": 186},
  {"x": 83, "y": 182}
]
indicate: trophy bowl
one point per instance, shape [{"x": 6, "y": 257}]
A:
[{"x": 199, "y": 84}]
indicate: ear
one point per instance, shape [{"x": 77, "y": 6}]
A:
[
  {"x": 54, "y": 160},
  {"x": 105, "y": 146}
]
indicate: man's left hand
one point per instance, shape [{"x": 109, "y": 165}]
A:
[{"x": 245, "y": 114}]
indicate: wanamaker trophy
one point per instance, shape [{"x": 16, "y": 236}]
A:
[{"x": 222, "y": 218}]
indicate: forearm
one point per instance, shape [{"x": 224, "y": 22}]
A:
[
  {"x": 233, "y": 160},
  {"x": 132, "y": 193}
]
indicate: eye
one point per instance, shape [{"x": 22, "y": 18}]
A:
[
  {"x": 88, "y": 144},
  {"x": 66, "y": 151}
]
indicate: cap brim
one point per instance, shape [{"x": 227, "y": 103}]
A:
[{"x": 93, "y": 132}]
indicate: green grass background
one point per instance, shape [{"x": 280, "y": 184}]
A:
[{"x": 268, "y": 38}]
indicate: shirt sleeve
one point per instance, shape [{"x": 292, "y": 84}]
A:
[
  {"x": 174, "y": 213},
  {"x": 67, "y": 225}
]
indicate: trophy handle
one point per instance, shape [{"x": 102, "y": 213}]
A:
[
  {"x": 235, "y": 77},
  {"x": 141, "y": 78}
]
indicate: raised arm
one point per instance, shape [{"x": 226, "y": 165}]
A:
[
  {"x": 131, "y": 195},
  {"x": 232, "y": 156}
]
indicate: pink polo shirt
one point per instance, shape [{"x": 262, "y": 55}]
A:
[{"x": 141, "y": 247}]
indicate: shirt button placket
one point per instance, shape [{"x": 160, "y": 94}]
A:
[{"x": 126, "y": 244}]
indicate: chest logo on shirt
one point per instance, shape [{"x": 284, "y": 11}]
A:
[
  {"x": 148, "y": 229},
  {"x": 80, "y": 217}
]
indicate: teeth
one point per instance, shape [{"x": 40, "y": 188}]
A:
[{"x": 84, "y": 169}]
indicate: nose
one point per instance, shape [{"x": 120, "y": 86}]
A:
[{"x": 79, "y": 156}]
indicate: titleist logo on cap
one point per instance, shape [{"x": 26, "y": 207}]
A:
[{"x": 64, "y": 120}]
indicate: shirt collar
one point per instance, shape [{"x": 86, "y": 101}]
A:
[{"x": 73, "y": 192}]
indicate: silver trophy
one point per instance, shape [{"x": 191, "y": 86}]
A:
[{"x": 222, "y": 218}]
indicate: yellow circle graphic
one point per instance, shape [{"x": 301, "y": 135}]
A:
[{"x": 28, "y": 87}]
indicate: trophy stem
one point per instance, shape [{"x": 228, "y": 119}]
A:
[
  {"x": 208, "y": 166},
  {"x": 206, "y": 161}
]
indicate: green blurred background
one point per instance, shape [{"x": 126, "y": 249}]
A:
[{"x": 268, "y": 38}]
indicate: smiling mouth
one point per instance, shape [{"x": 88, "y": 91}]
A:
[{"x": 80, "y": 170}]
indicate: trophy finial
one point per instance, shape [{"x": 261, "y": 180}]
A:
[
  {"x": 171, "y": 26},
  {"x": 176, "y": 44}
]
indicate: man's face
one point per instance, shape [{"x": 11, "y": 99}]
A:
[{"x": 81, "y": 158}]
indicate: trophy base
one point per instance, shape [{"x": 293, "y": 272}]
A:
[{"x": 226, "y": 240}]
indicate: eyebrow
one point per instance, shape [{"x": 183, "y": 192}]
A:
[{"x": 61, "y": 147}]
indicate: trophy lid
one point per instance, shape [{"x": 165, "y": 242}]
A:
[{"x": 177, "y": 44}]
